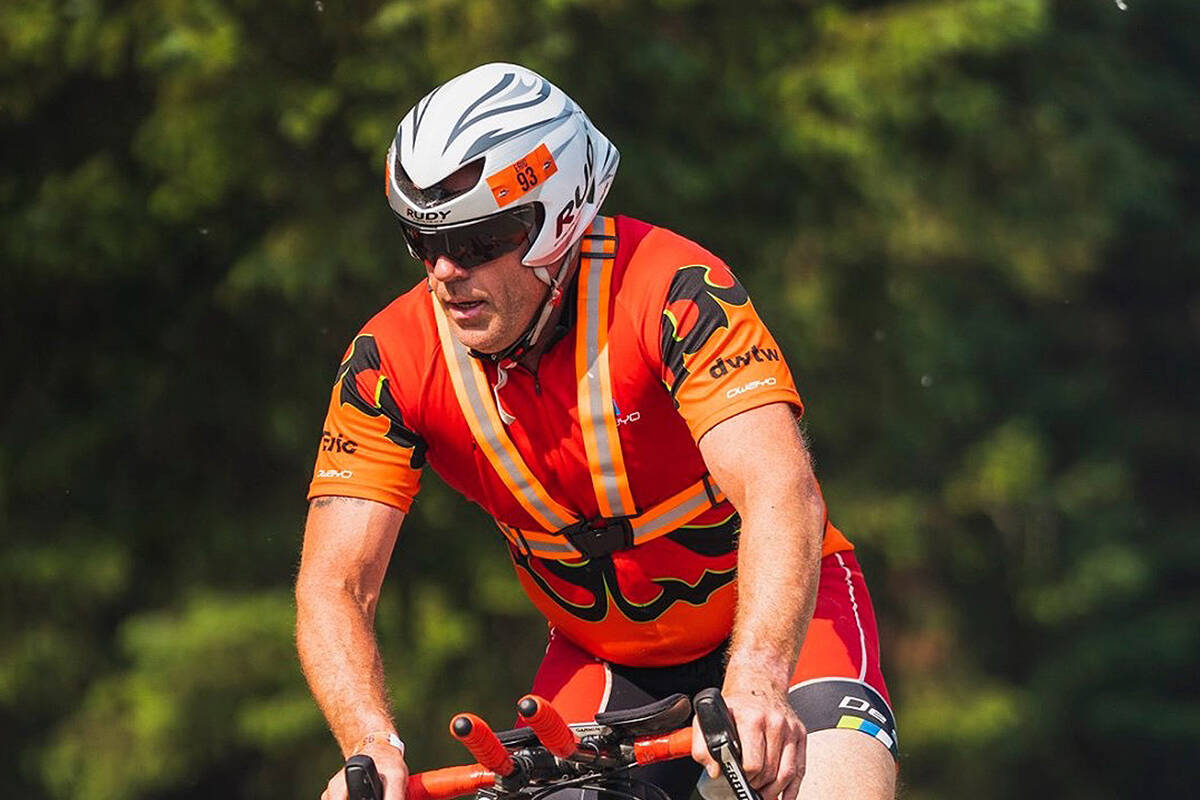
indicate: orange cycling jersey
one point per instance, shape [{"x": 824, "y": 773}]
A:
[{"x": 682, "y": 349}]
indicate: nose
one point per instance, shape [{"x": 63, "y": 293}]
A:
[{"x": 445, "y": 270}]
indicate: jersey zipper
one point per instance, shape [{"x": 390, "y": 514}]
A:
[{"x": 552, "y": 461}]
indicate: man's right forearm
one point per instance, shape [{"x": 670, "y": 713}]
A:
[
  {"x": 336, "y": 642},
  {"x": 347, "y": 546}
]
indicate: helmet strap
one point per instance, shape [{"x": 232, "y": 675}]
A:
[{"x": 554, "y": 296}]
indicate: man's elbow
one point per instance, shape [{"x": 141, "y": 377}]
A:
[{"x": 317, "y": 593}]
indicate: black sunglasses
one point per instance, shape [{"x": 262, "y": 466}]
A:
[{"x": 475, "y": 243}]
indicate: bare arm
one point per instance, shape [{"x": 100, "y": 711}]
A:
[
  {"x": 759, "y": 460},
  {"x": 347, "y": 545}
]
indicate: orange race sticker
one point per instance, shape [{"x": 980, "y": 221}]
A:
[{"x": 522, "y": 176}]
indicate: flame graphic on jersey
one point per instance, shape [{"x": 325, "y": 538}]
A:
[
  {"x": 366, "y": 388},
  {"x": 600, "y": 580},
  {"x": 696, "y": 309}
]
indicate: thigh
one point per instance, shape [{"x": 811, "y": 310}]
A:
[
  {"x": 844, "y": 764},
  {"x": 838, "y": 681}
]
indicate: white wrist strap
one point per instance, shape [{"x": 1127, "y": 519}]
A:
[{"x": 380, "y": 736}]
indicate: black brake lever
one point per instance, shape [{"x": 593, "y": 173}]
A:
[
  {"x": 721, "y": 739},
  {"x": 362, "y": 779}
]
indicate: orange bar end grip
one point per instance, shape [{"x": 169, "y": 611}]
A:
[
  {"x": 548, "y": 724},
  {"x": 478, "y": 737}
]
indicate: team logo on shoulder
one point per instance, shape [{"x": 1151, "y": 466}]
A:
[{"x": 697, "y": 303}]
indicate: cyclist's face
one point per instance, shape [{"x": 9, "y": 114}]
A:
[{"x": 490, "y": 305}]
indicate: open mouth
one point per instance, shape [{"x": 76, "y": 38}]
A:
[{"x": 464, "y": 311}]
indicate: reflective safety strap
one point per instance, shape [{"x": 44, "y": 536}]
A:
[
  {"x": 672, "y": 513},
  {"x": 597, "y": 418},
  {"x": 597, "y": 411},
  {"x": 475, "y": 399},
  {"x": 676, "y": 510}
]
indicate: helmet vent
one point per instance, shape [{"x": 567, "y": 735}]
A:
[{"x": 457, "y": 183}]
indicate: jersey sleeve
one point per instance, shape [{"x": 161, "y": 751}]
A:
[
  {"x": 367, "y": 450},
  {"x": 718, "y": 358}
]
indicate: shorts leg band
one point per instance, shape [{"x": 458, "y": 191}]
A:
[{"x": 828, "y": 703}]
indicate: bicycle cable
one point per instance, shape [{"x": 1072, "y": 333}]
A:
[{"x": 585, "y": 782}]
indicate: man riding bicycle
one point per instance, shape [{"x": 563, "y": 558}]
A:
[{"x": 606, "y": 391}]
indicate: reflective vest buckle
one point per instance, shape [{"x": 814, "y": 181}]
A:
[{"x": 602, "y": 537}]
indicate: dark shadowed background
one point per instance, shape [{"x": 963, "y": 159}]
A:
[{"x": 972, "y": 225}]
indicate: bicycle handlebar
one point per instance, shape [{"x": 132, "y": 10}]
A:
[
  {"x": 548, "y": 724},
  {"x": 442, "y": 784},
  {"x": 448, "y": 782},
  {"x": 551, "y": 753},
  {"x": 481, "y": 741}
]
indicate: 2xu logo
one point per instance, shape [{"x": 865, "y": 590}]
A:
[
  {"x": 332, "y": 443},
  {"x": 334, "y": 473}
]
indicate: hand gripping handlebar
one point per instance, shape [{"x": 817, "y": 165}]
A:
[
  {"x": 362, "y": 779},
  {"x": 721, "y": 739}
]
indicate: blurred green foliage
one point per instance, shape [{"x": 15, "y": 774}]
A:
[{"x": 971, "y": 223}]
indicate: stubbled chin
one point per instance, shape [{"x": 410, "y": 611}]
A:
[{"x": 472, "y": 333}]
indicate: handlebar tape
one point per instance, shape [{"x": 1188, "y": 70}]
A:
[
  {"x": 677, "y": 744},
  {"x": 477, "y": 737},
  {"x": 441, "y": 784},
  {"x": 548, "y": 724}
]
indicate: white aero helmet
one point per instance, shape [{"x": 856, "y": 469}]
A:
[{"x": 533, "y": 168}]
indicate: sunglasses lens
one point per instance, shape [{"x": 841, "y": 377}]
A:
[{"x": 471, "y": 245}]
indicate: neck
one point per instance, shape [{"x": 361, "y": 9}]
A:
[
  {"x": 565, "y": 274},
  {"x": 544, "y": 340}
]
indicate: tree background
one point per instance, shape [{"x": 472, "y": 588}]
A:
[{"x": 972, "y": 224}]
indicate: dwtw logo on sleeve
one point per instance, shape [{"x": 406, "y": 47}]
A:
[{"x": 726, "y": 364}]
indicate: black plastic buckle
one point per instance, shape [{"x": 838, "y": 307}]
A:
[{"x": 602, "y": 537}]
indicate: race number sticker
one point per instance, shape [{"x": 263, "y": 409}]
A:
[{"x": 522, "y": 176}]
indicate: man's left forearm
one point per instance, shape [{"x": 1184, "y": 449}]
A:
[
  {"x": 759, "y": 459},
  {"x": 778, "y": 568}
]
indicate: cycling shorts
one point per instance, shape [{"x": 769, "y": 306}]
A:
[{"x": 837, "y": 681}]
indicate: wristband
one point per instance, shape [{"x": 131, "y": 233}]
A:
[{"x": 379, "y": 736}]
